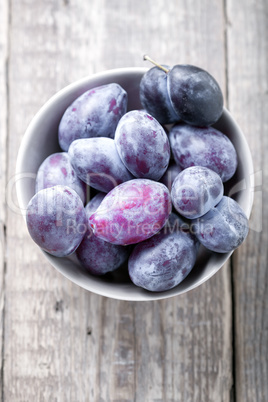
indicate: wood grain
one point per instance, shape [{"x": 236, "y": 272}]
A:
[
  {"x": 248, "y": 97},
  {"x": 61, "y": 342},
  {"x": 3, "y": 163}
]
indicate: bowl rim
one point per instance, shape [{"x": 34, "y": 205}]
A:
[{"x": 125, "y": 71}]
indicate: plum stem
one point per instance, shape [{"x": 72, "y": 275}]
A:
[{"x": 148, "y": 58}]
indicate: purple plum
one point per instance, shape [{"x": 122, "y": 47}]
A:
[
  {"x": 56, "y": 220},
  {"x": 163, "y": 261},
  {"x": 142, "y": 145},
  {"x": 95, "y": 113},
  {"x": 132, "y": 212},
  {"x": 57, "y": 169},
  {"x": 223, "y": 228},
  {"x": 195, "y": 191},
  {"x": 97, "y": 163},
  {"x": 195, "y": 146},
  {"x": 96, "y": 255}
]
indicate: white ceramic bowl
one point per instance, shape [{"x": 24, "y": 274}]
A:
[{"x": 40, "y": 140}]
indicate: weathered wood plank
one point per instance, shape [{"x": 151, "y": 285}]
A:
[
  {"x": 63, "y": 343},
  {"x": 248, "y": 99},
  {"x": 3, "y": 146}
]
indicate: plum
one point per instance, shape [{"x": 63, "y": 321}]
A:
[
  {"x": 154, "y": 96},
  {"x": 56, "y": 220},
  {"x": 196, "y": 146},
  {"x": 142, "y": 145},
  {"x": 163, "y": 261},
  {"x": 96, "y": 255},
  {"x": 95, "y": 113},
  {"x": 131, "y": 212},
  {"x": 195, "y": 95},
  {"x": 223, "y": 228},
  {"x": 195, "y": 191},
  {"x": 97, "y": 163},
  {"x": 57, "y": 169}
]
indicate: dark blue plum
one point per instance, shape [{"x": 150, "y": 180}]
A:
[
  {"x": 195, "y": 191},
  {"x": 195, "y": 95},
  {"x": 154, "y": 96},
  {"x": 223, "y": 228},
  {"x": 208, "y": 147},
  {"x": 56, "y": 220},
  {"x": 96, "y": 255},
  {"x": 97, "y": 163},
  {"x": 57, "y": 169},
  {"x": 163, "y": 261},
  {"x": 93, "y": 114}
]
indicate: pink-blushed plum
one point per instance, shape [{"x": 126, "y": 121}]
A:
[{"x": 132, "y": 212}]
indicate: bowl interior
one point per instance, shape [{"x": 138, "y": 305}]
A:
[{"x": 40, "y": 140}]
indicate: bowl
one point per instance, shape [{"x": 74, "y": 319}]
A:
[{"x": 40, "y": 140}]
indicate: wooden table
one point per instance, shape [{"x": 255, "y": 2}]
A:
[{"x": 62, "y": 343}]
